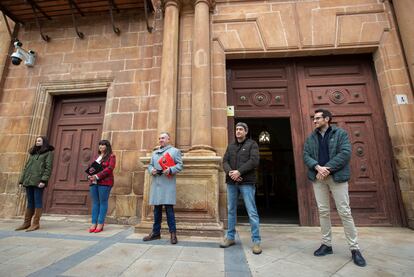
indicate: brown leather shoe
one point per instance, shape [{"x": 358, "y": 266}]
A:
[
  {"x": 152, "y": 236},
  {"x": 173, "y": 239}
]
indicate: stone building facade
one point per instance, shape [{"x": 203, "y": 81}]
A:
[{"x": 206, "y": 65}]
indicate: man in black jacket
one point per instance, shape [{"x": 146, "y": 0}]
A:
[{"x": 240, "y": 162}]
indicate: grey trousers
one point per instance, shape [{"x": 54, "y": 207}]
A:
[{"x": 340, "y": 194}]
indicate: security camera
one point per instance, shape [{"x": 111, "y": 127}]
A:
[{"x": 20, "y": 54}]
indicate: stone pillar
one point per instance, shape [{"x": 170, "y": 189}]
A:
[
  {"x": 197, "y": 208},
  {"x": 201, "y": 80},
  {"x": 169, "y": 67},
  {"x": 404, "y": 10}
]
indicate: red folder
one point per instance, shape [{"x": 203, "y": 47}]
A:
[{"x": 166, "y": 161}]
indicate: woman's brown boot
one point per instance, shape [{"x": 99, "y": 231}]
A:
[
  {"x": 36, "y": 220},
  {"x": 27, "y": 219}
]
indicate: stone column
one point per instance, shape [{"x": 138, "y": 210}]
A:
[
  {"x": 404, "y": 12},
  {"x": 201, "y": 80},
  {"x": 169, "y": 67}
]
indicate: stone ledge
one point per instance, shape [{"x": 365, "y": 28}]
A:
[{"x": 185, "y": 228}]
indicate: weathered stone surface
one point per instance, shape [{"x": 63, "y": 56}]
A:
[
  {"x": 241, "y": 36},
  {"x": 8, "y": 205},
  {"x": 127, "y": 140},
  {"x": 138, "y": 182},
  {"x": 279, "y": 30},
  {"x": 126, "y": 205},
  {"x": 123, "y": 183},
  {"x": 403, "y": 10},
  {"x": 360, "y": 29},
  {"x": 197, "y": 205},
  {"x": 135, "y": 64},
  {"x": 129, "y": 161}
]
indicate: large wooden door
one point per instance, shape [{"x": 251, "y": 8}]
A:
[
  {"x": 345, "y": 86},
  {"x": 76, "y": 130},
  {"x": 268, "y": 89}
]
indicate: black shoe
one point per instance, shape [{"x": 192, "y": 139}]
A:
[
  {"x": 152, "y": 236},
  {"x": 323, "y": 250},
  {"x": 358, "y": 259},
  {"x": 173, "y": 239}
]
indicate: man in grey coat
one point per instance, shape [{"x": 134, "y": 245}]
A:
[
  {"x": 163, "y": 187},
  {"x": 327, "y": 153}
]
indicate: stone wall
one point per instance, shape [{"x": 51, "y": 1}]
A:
[
  {"x": 129, "y": 62},
  {"x": 260, "y": 29}
]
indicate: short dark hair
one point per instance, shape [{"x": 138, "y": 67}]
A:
[
  {"x": 243, "y": 125},
  {"x": 108, "y": 148},
  {"x": 325, "y": 113}
]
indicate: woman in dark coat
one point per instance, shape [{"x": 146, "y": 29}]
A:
[
  {"x": 101, "y": 185},
  {"x": 35, "y": 176}
]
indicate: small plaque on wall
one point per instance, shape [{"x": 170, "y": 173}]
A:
[
  {"x": 230, "y": 110},
  {"x": 402, "y": 99}
]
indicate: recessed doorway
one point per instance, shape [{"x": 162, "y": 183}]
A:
[{"x": 276, "y": 193}]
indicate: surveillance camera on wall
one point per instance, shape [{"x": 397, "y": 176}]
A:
[{"x": 20, "y": 54}]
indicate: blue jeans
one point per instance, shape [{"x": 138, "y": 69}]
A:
[
  {"x": 169, "y": 209},
  {"x": 34, "y": 197},
  {"x": 100, "y": 196},
  {"x": 248, "y": 193}
]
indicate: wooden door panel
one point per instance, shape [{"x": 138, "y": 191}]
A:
[
  {"x": 65, "y": 155},
  {"x": 276, "y": 98},
  {"x": 365, "y": 187},
  {"x": 349, "y": 96},
  {"x": 328, "y": 70},
  {"x": 346, "y": 87},
  {"x": 81, "y": 110},
  {"x": 77, "y": 128},
  {"x": 89, "y": 137}
]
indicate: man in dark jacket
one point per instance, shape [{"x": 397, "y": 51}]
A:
[
  {"x": 240, "y": 162},
  {"x": 327, "y": 153}
]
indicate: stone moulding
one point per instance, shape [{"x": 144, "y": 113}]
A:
[
  {"x": 197, "y": 209},
  {"x": 42, "y": 108}
]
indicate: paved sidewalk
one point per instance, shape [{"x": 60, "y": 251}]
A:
[{"x": 63, "y": 247}]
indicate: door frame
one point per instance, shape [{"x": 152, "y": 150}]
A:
[
  {"x": 304, "y": 192},
  {"x": 54, "y": 133},
  {"x": 300, "y": 130},
  {"x": 42, "y": 109}
]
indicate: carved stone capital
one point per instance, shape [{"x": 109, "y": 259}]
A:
[
  {"x": 175, "y": 3},
  {"x": 210, "y": 3}
]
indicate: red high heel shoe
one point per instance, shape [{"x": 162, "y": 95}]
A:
[
  {"x": 97, "y": 230},
  {"x": 92, "y": 229}
]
